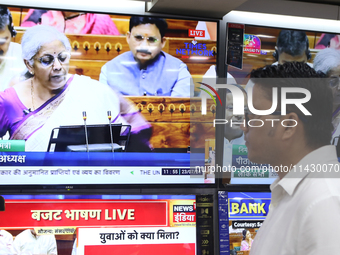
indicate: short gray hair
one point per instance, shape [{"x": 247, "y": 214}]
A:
[
  {"x": 37, "y": 36},
  {"x": 326, "y": 60}
]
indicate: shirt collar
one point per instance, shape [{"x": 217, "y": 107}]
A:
[
  {"x": 237, "y": 141},
  {"x": 293, "y": 178}
]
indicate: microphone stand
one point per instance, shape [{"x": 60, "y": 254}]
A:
[
  {"x": 110, "y": 124},
  {"x": 86, "y": 138}
]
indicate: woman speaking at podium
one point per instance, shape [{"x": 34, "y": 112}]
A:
[{"x": 50, "y": 97}]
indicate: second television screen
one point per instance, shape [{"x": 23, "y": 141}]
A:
[{"x": 263, "y": 46}]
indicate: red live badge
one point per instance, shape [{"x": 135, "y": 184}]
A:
[{"x": 196, "y": 33}]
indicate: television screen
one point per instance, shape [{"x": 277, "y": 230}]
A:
[
  {"x": 261, "y": 46},
  {"x": 101, "y": 95},
  {"x": 105, "y": 224},
  {"x": 241, "y": 214},
  {"x": 260, "y": 43}
]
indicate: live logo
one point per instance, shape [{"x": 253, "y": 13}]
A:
[{"x": 196, "y": 33}]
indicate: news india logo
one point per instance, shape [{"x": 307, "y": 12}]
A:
[{"x": 239, "y": 107}]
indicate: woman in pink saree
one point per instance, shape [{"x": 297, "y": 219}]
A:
[
  {"x": 72, "y": 22},
  {"x": 51, "y": 97}
]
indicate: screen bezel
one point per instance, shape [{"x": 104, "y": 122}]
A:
[{"x": 251, "y": 187}]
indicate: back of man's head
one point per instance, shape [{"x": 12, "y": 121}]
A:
[
  {"x": 293, "y": 43},
  {"x": 158, "y": 22},
  {"x": 317, "y": 126}
]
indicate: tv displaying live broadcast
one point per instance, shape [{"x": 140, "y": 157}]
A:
[
  {"x": 241, "y": 214},
  {"x": 106, "y": 224},
  {"x": 251, "y": 47},
  {"x": 87, "y": 96}
]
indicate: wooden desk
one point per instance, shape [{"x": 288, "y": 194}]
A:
[{"x": 177, "y": 122}]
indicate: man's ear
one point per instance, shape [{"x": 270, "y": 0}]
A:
[
  {"x": 163, "y": 41},
  {"x": 128, "y": 37},
  {"x": 291, "y": 125}
]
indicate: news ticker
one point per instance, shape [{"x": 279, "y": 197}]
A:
[{"x": 100, "y": 175}]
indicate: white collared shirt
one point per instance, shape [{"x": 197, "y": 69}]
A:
[{"x": 304, "y": 216}]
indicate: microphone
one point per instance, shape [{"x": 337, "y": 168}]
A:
[
  {"x": 27, "y": 111},
  {"x": 110, "y": 124},
  {"x": 159, "y": 92},
  {"x": 86, "y": 138}
]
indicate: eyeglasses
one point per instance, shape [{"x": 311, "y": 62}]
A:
[
  {"x": 150, "y": 39},
  {"x": 48, "y": 60},
  {"x": 247, "y": 113}
]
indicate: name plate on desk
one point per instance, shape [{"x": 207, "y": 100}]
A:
[{"x": 12, "y": 145}]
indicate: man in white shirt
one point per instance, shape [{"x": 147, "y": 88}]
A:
[
  {"x": 28, "y": 242},
  {"x": 6, "y": 240},
  {"x": 11, "y": 63},
  {"x": 232, "y": 132},
  {"x": 305, "y": 207}
]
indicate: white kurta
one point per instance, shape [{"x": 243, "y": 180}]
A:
[
  {"x": 6, "y": 241},
  {"x": 26, "y": 243}
]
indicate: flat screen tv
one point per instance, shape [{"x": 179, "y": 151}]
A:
[
  {"x": 149, "y": 89},
  {"x": 106, "y": 224},
  {"x": 240, "y": 212},
  {"x": 256, "y": 49}
]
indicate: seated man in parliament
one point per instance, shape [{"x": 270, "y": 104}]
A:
[
  {"x": 233, "y": 135},
  {"x": 291, "y": 46},
  {"x": 6, "y": 241},
  {"x": 11, "y": 63},
  {"x": 29, "y": 242},
  {"x": 50, "y": 97},
  {"x": 146, "y": 69}
]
